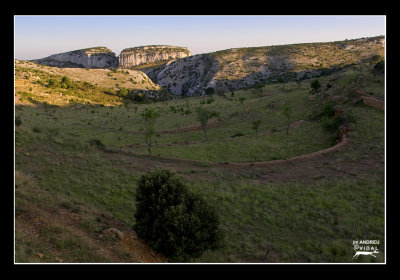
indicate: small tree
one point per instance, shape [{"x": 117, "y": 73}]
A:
[
  {"x": 204, "y": 115},
  {"x": 53, "y": 83},
  {"x": 379, "y": 67},
  {"x": 258, "y": 88},
  {"x": 315, "y": 85},
  {"x": 18, "y": 121},
  {"x": 174, "y": 221},
  {"x": 210, "y": 91},
  {"x": 282, "y": 81},
  {"x": 256, "y": 126},
  {"x": 123, "y": 91},
  {"x": 150, "y": 117},
  {"x": 287, "y": 112}
]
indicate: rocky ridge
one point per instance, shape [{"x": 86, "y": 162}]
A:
[
  {"x": 182, "y": 73},
  {"x": 240, "y": 68}
]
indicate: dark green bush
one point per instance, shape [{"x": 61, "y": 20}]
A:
[
  {"x": 97, "y": 143},
  {"x": 210, "y": 91},
  {"x": 315, "y": 85},
  {"x": 18, "y": 121},
  {"x": 238, "y": 134},
  {"x": 123, "y": 91},
  {"x": 174, "y": 221},
  {"x": 332, "y": 124},
  {"x": 67, "y": 83},
  {"x": 53, "y": 83},
  {"x": 36, "y": 129},
  {"x": 328, "y": 111}
]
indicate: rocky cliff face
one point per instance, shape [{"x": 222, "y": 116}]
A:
[
  {"x": 131, "y": 57},
  {"x": 99, "y": 57},
  {"x": 187, "y": 76},
  {"x": 102, "y": 57},
  {"x": 239, "y": 68}
]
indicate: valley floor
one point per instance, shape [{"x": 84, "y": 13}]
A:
[{"x": 77, "y": 168}]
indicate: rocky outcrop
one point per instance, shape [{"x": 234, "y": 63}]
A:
[
  {"x": 131, "y": 57},
  {"x": 98, "y": 57},
  {"x": 102, "y": 57},
  {"x": 187, "y": 76}
]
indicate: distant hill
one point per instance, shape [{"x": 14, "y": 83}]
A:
[
  {"x": 97, "y": 57},
  {"x": 239, "y": 68},
  {"x": 179, "y": 72},
  {"x": 93, "y": 85}
]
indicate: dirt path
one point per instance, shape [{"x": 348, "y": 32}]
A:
[{"x": 309, "y": 168}]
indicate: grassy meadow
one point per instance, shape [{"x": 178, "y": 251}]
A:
[{"x": 88, "y": 159}]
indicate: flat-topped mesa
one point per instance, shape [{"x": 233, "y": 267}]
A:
[
  {"x": 97, "y": 57},
  {"x": 131, "y": 57}
]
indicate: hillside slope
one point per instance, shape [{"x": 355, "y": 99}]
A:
[
  {"x": 239, "y": 68},
  {"x": 95, "y": 85}
]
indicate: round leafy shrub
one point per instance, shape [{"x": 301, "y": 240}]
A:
[
  {"x": 123, "y": 91},
  {"x": 18, "y": 121},
  {"x": 97, "y": 143},
  {"x": 173, "y": 220},
  {"x": 315, "y": 85},
  {"x": 53, "y": 83},
  {"x": 210, "y": 91}
]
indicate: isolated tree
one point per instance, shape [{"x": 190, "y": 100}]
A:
[
  {"x": 256, "y": 126},
  {"x": 258, "y": 88},
  {"x": 282, "y": 81},
  {"x": 173, "y": 220},
  {"x": 315, "y": 85},
  {"x": 88, "y": 105},
  {"x": 66, "y": 82},
  {"x": 210, "y": 91},
  {"x": 18, "y": 121},
  {"x": 379, "y": 67},
  {"x": 150, "y": 117},
  {"x": 287, "y": 112},
  {"x": 123, "y": 91},
  {"x": 204, "y": 115},
  {"x": 241, "y": 99},
  {"x": 53, "y": 83}
]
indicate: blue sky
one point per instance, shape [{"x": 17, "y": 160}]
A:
[{"x": 41, "y": 36}]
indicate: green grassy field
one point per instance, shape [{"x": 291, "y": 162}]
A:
[{"x": 309, "y": 218}]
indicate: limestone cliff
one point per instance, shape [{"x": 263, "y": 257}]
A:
[
  {"x": 131, "y": 57},
  {"x": 98, "y": 57},
  {"x": 102, "y": 57}
]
